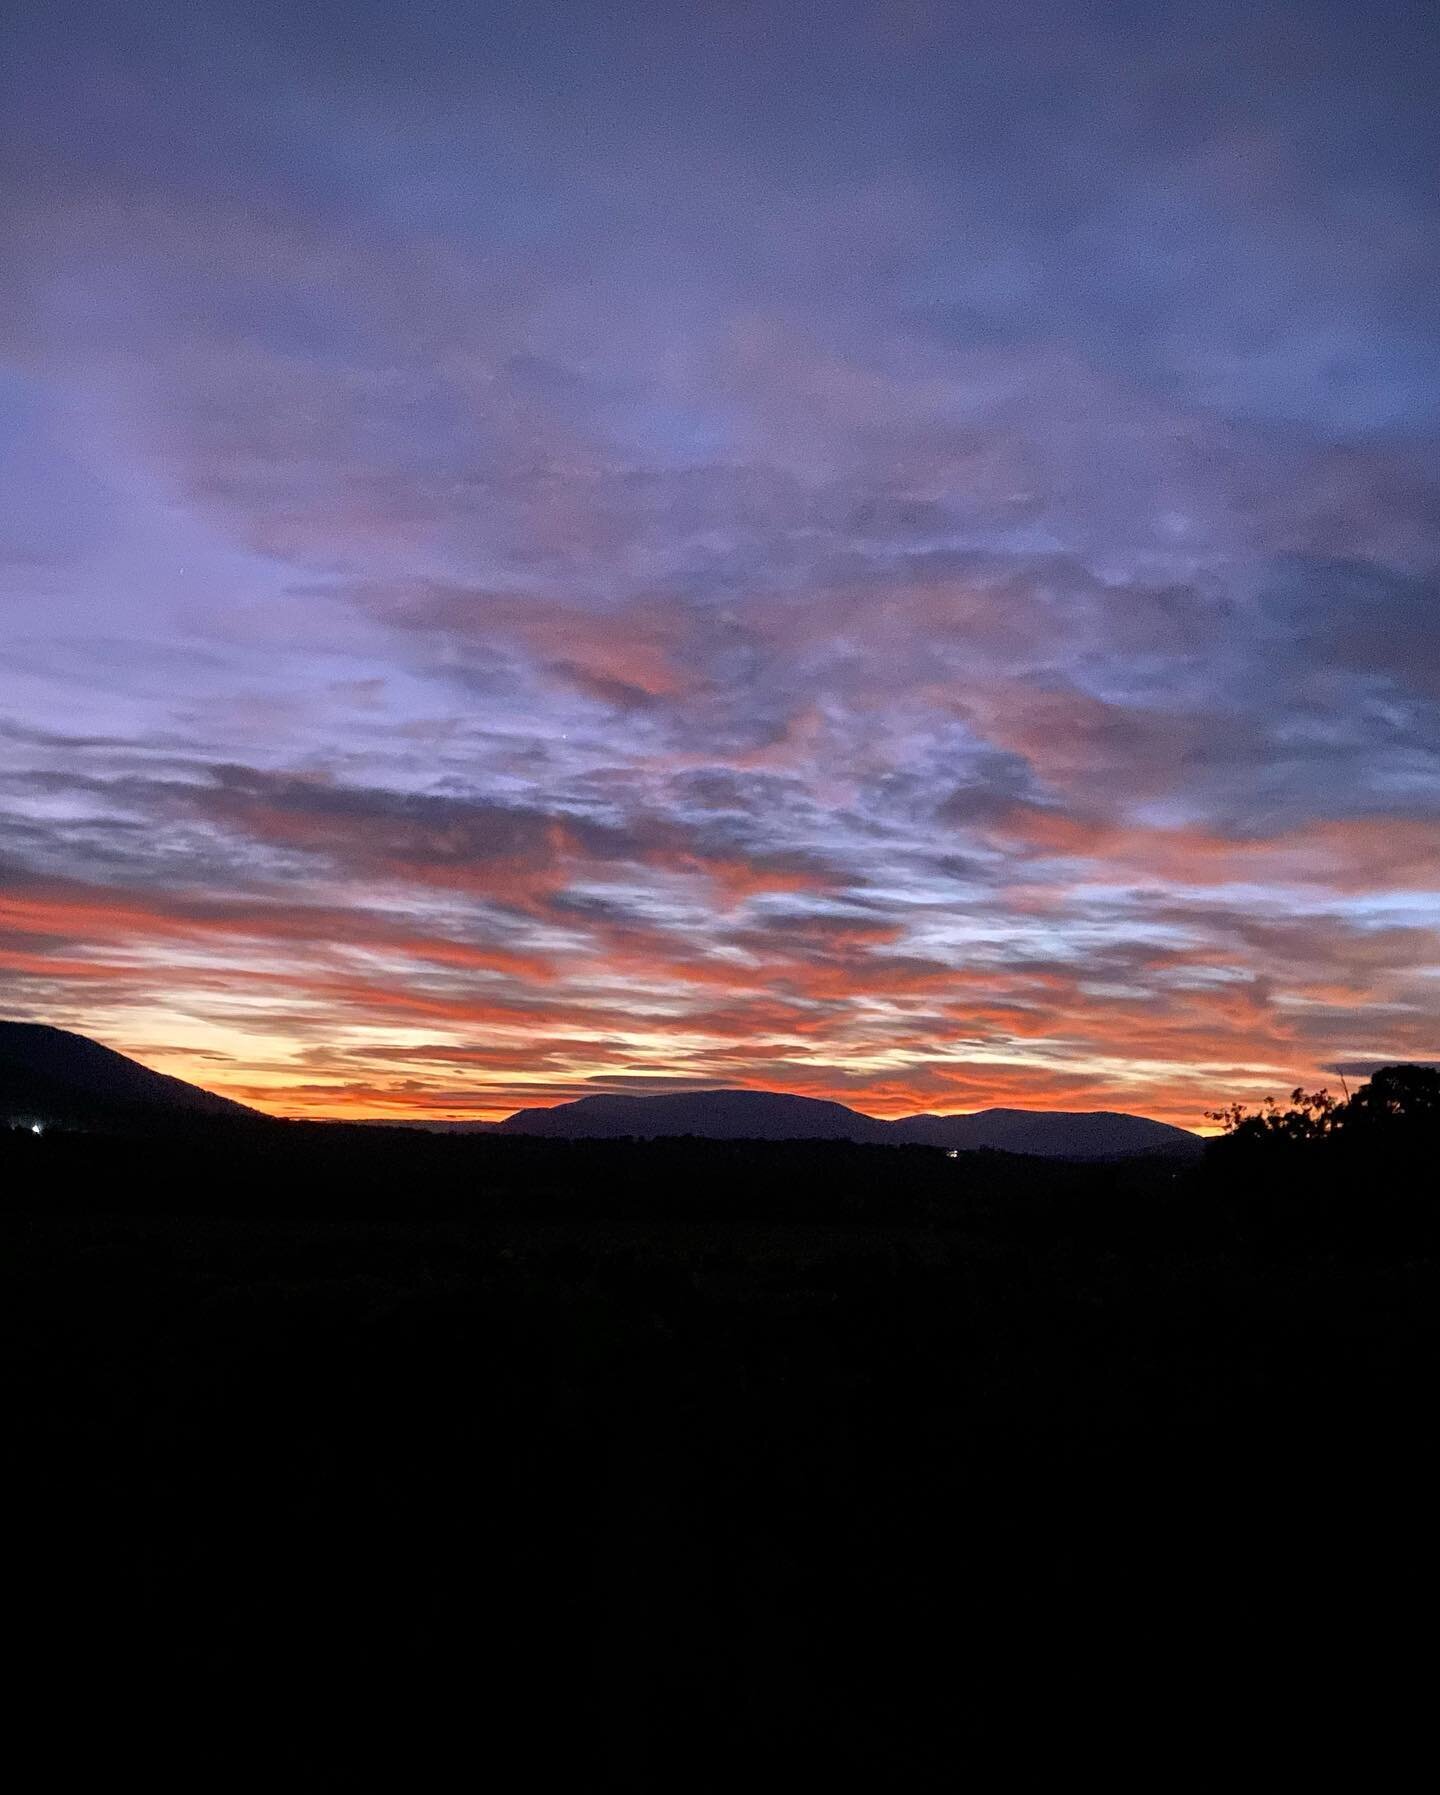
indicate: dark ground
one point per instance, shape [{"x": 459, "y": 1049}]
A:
[{"x": 679, "y": 1465}]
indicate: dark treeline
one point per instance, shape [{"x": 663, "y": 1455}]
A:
[
  {"x": 671, "y": 1464},
  {"x": 1396, "y": 1112},
  {"x": 1314, "y": 1168},
  {"x": 325, "y": 1169}
]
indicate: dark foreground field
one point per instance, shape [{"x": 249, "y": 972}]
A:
[{"x": 683, "y": 1466}]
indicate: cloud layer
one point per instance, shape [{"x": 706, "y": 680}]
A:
[{"x": 890, "y": 554}]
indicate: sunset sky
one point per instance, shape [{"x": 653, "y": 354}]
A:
[{"x": 887, "y": 551}]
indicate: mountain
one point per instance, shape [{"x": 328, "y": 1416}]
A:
[
  {"x": 715, "y": 1115},
  {"x": 50, "y": 1075},
  {"x": 1050, "y": 1134},
  {"x": 775, "y": 1116}
]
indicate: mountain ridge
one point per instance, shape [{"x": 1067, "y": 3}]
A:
[
  {"x": 49, "y": 1074},
  {"x": 777, "y": 1115}
]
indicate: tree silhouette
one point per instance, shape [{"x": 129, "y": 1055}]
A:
[
  {"x": 1405, "y": 1097},
  {"x": 1390, "y": 1120},
  {"x": 1312, "y": 1116}
]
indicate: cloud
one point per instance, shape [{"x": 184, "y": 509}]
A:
[{"x": 874, "y": 554}]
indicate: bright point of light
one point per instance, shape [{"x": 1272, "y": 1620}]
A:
[
  {"x": 36, "y": 1128},
  {"x": 952, "y": 1152}
]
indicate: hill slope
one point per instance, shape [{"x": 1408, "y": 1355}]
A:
[
  {"x": 715, "y": 1115},
  {"x": 52, "y": 1075},
  {"x": 1063, "y": 1134}
]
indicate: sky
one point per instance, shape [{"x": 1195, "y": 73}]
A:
[{"x": 886, "y": 551}]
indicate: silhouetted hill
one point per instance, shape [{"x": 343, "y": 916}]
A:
[
  {"x": 50, "y": 1075},
  {"x": 775, "y": 1116},
  {"x": 1050, "y": 1134},
  {"x": 715, "y": 1115}
]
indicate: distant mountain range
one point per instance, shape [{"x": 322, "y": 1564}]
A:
[
  {"x": 774, "y": 1116},
  {"x": 48, "y": 1075}
]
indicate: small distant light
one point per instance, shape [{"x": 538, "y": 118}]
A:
[
  {"x": 952, "y": 1152},
  {"x": 36, "y": 1128}
]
